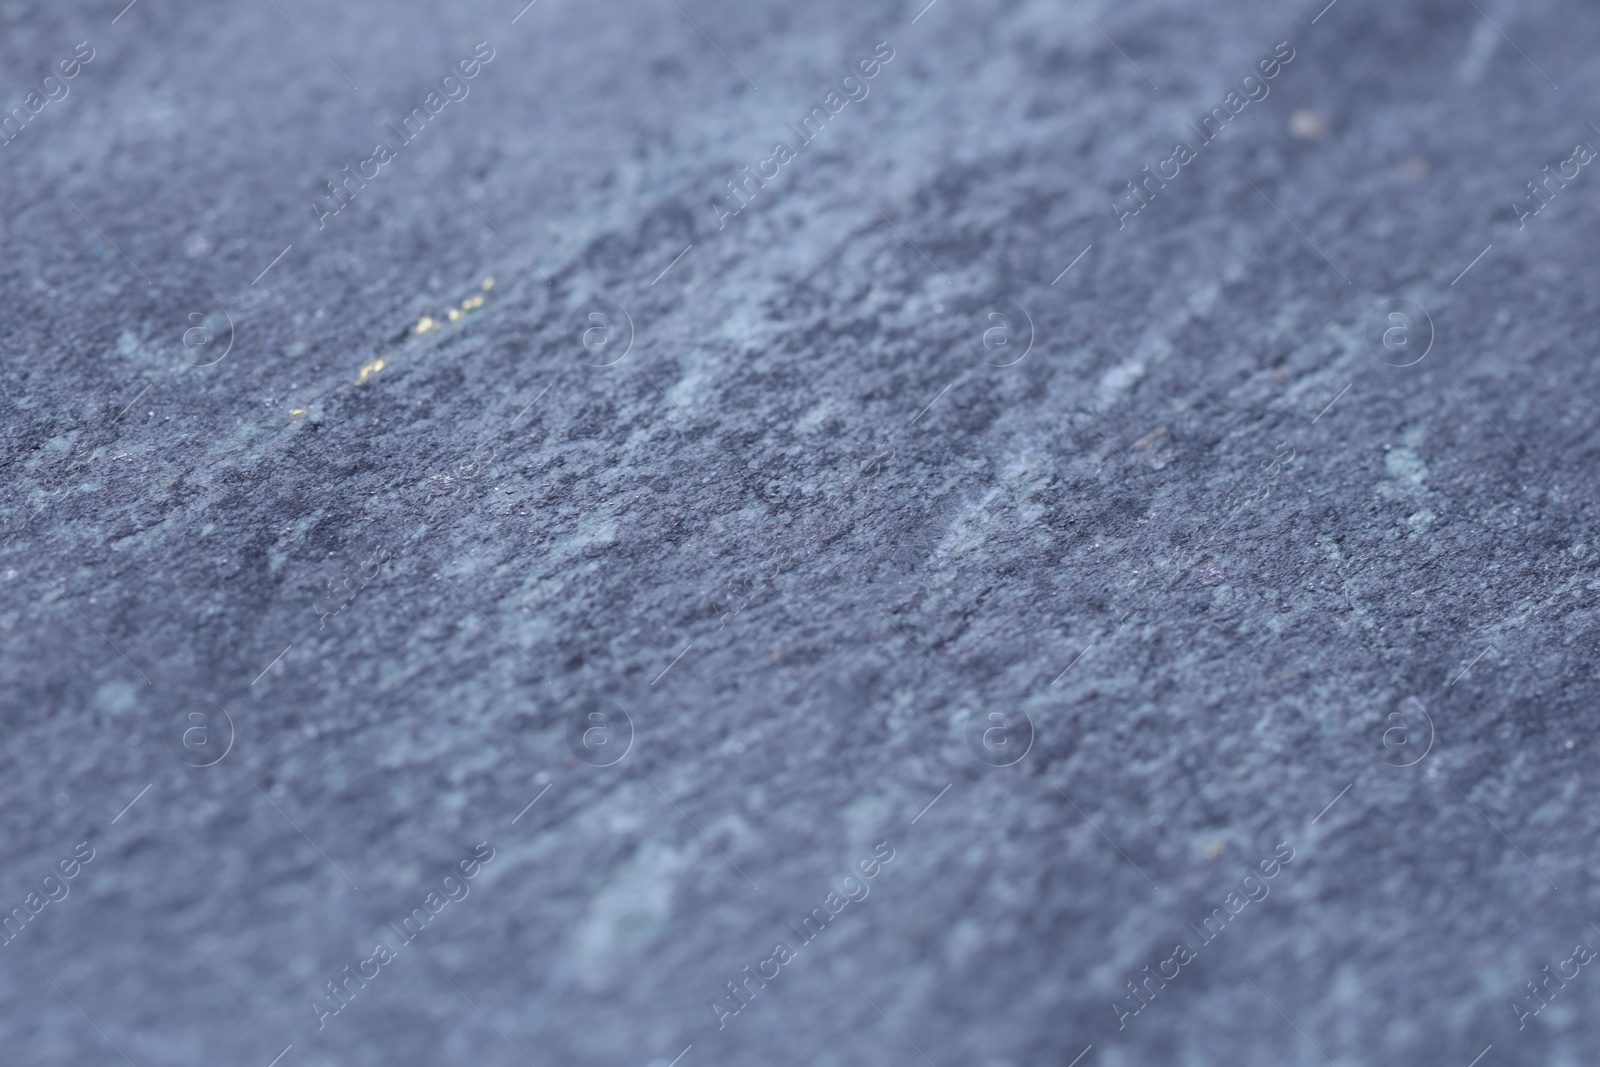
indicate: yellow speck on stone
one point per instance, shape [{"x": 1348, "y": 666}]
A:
[
  {"x": 426, "y": 323},
  {"x": 1150, "y": 438},
  {"x": 369, "y": 370},
  {"x": 488, "y": 283},
  {"x": 297, "y": 412},
  {"x": 454, "y": 314},
  {"x": 472, "y": 302}
]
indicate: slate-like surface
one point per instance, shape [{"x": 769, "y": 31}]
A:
[{"x": 804, "y": 533}]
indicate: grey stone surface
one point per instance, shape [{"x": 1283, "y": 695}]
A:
[{"x": 834, "y": 491}]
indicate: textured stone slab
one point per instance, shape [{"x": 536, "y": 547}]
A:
[{"x": 987, "y": 533}]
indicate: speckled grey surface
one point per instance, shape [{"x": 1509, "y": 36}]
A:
[{"x": 735, "y": 582}]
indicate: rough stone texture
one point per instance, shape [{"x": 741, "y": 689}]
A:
[{"x": 806, "y": 535}]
